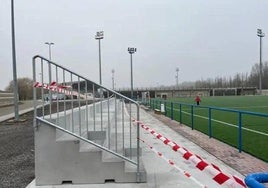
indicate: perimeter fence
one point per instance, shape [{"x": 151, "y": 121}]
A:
[{"x": 245, "y": 130}]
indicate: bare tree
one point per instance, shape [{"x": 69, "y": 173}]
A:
[
  {"x": 25, "y": 88},
  {"x": 238, "y": 80}
]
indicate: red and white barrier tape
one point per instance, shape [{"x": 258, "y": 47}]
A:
[
  {"x": 172, "y": 163},
  {"x": 53, "y": 87},
  {"x": 58, "y": 88},
  {"x": 218, "y": 176}
]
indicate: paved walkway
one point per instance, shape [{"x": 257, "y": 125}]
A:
[{"x": 7, "y": 112}]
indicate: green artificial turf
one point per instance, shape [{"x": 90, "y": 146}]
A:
[{"x": 225, "y": 114}]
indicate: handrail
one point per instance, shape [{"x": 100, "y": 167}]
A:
[
  {"x": 60, "y": 66},
  {"x": 58, "y": 79}
]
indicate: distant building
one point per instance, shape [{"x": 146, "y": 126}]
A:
[{"x": 172, "y": 92}]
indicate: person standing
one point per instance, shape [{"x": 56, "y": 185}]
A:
[{"x": 197, "y": 100}]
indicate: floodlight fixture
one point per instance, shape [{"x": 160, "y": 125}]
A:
[
  {"x": 132, "y": 50},
  {"x": 99, "y": 35},
  {"x": 260, "y": 33}
]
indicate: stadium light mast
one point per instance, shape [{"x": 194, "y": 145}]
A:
[
  {"x": 49, "y": 65},
  {"x": 49, "y": 49},
  {"x": 99, "y": 36},
  {"x": 15, "y": 84},
  {"x": 131, "y": 51},
  {"x": 113, "y": 78},
  {"x": 260, "y": 34},
  {"x": 177, "y": 77}
]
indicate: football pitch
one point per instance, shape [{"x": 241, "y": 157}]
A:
[{"x": 221, "y": 117}]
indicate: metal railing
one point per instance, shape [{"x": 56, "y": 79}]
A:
[
  {"x": 244, "y": 130},
  {"x": 88, "y": 111}
]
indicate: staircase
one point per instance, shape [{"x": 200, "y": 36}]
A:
[{"x": 93, "y": 142}]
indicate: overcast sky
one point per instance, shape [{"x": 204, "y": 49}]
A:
[{"x": 203, "y": 38}]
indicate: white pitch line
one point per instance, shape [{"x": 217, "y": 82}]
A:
[
  {"x": 222, "y": 122},
  {"x": 247, "y": 107},
  {"x": 232, "y": 107}
]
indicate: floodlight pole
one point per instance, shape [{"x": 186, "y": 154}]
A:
[
  {"x": 49, "y": 65},
  {"x": 49, "y": 48},
  {"x": 15, "y": 84},
  {"x": 99, "y": 36},
  {"x": 131, "y": 51},
  {"x": 113, "y": 78},
  {"x": 177, "y": 77},
  {"x": 260, "y": 34}
]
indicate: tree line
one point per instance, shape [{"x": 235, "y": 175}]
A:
[
  {"x": 25, "y": 88},
  {"x": 238, "y": 80},
  {"x": 25, "y": 85}
]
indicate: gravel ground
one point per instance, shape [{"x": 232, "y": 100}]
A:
[
  {"x": 17, "y": 150},
  {"x": 17, "y": 153}
]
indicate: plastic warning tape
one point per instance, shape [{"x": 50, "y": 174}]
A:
[
  {"x": 172, "y": 163},
  {"x": 54, "y": 88},
  {"x": 218, "y": 176},
  {"x": 59, "y": 88}
]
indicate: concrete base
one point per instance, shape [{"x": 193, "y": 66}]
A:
[{"x": 68, "y": 160}]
